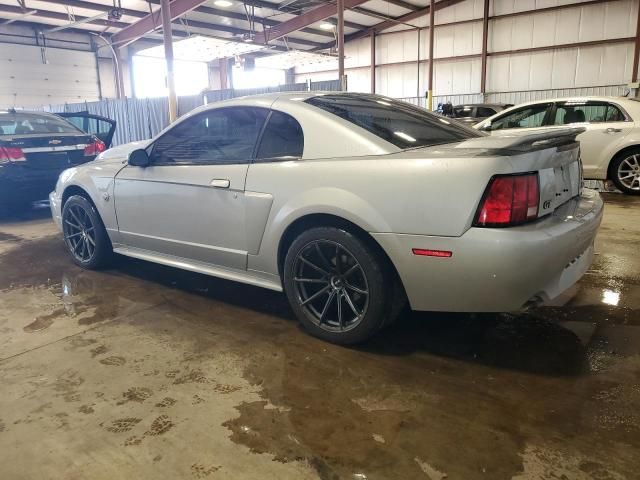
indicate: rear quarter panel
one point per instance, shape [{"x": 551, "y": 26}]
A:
[{"x": 402, "y": 193}]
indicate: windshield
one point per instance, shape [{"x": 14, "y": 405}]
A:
[
  {"x": 30, "y": 123},
  {"x": 399, "y": 123}
]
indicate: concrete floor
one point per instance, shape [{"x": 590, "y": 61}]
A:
[{"x": 143, "y": 371}]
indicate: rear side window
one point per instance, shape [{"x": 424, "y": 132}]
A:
[
  {"x": 31, "y": 124},
  {"x": 484, "y": 112},
  {"x": 399, "y": 123},
  {"x": 462, "y": 112},
  {"x": 526, "y": 117},
  {"x": 567, "y": 113},
  {"x": 282, "y": 138}
]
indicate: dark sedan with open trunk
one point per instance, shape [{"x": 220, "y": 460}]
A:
[{"x": 35, "y": 147}]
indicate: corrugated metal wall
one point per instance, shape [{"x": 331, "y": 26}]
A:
[
  {"x": 596, "y": 68},
  {"x": 143, "y": 118}
]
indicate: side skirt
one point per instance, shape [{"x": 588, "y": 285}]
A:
[{"x": 247, "y": 277}]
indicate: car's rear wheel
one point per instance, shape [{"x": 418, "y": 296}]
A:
[
  {"x": 84, "y": 233},
  {"x": 625, "y": 172},
  {"x": 337, "y": 285}
]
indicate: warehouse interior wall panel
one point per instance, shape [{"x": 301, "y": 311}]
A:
[
  {"x": 456, "y": 40},
  {"x": 467, "y": 10},
  {"x": 586, "y": 23},
  {"x": 588, "y": 66},
  {"x": 452, "y": 77},
  {"x": 399, "y": 47}
]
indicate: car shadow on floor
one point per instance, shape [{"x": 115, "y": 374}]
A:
[
  {"x": 525, "y": 342},
  {"x": 38, "y": 211}
]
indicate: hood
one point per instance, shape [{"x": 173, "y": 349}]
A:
[{"x": 120, "y": 154}]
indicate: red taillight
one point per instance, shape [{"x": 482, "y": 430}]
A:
[
  {"x": 431, "y": 253},
  {"x": 94, "y": 148},
  {"x": 11, "y": 154},
  {"x": 509, "y": 200}
]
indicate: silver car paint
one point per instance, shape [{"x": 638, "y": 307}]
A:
[{"x": 406, "y": 199}]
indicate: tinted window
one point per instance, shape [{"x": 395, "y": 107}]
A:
[
  {"x": 94, "y": 126},
  {"x": 27, "y": 124},
  {"x": 461, "y": 112},
  {"x": 526, "y": 117},
  {"x": 225, "y": 135},
  {"x": 593, "y": 113},
  {"x": 282, "y": 137},
  {"x": 397, "y": 122},
  {"x": 484, "y": 112}
]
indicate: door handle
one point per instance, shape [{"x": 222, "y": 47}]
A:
[
  {"x": 220, "y": 183},
  {"x": 613, "y": 130}
]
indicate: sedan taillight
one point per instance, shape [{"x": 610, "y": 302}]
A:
[
  {"x": 11, "y": 155},
  {"x": 94, "y": 148},
  {"x": 509, "y": 200}
]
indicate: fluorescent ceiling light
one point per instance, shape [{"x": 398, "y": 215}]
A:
[
  {"x": 202, "y": 49},
  {"x": 297, "y": 58},
  {"x": 326, "y": 26},
  {"x": 223, "y": 3}
]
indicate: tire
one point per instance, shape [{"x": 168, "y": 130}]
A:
[
  {"x": 344, "y": 301},
  {"x": 84, "y": 234},
  {"x": 625, "y": 172}
]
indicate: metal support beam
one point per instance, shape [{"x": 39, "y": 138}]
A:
[
  {"x": 432, "y": 12},
  {"x": 341, "y": 77},
  {"x": 302, "y": 21},
  {"x": 485, "y": 37},
  {"x": 636, "y": 52},
  {"x": 373, "y": 62},
  {"x": 403, "y": 4},
  {"x": 223, "y": 64},
  {"x": 403, "y": 19},
  {"x": 117, "y": 61},
  {"x": 61, "y": 16},
  {"x": 22, "y": 16},
  {"x": 149, "y": 22},
  {"x": 168, "y": 53}
]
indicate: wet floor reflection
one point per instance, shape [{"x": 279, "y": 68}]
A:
[{"x": 548, "y": 393}]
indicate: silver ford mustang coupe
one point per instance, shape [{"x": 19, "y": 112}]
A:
[{"x": 352, "y": 204}]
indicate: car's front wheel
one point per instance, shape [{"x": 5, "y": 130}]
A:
[
  {"x": 625, "y": 172},
  {"x": 84, "y": 233},
  {"x": 338, "y": 286}
]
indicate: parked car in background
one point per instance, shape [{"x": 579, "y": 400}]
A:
[
  {"x": 36, "y": 146},
  {"x": 350, "y": 203},
  {"x": 610, "y": 146},
  {"x": 476, "y": 112}
]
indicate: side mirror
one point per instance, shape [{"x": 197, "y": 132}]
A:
[
  {"x": 486, "y": 127},
  {"x": 139, "y": 158}
]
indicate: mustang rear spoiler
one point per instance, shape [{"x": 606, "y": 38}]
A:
[{"x": 527, "y": 141}]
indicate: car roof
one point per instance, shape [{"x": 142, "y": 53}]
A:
[
  {"x": 483, "y": 105},
  {"x": 27, "y": 112},
  {"x": 579, "y": 99},
  {"x": 261, "y": 99}
]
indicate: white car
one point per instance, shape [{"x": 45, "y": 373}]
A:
[
  {"x": 610, "y": 146},
  {"x": 350, "y": 203}
]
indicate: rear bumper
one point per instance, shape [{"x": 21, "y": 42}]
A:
[
  {"x": 499, "y": 270},
  {"x": 26, "y": 189}
]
